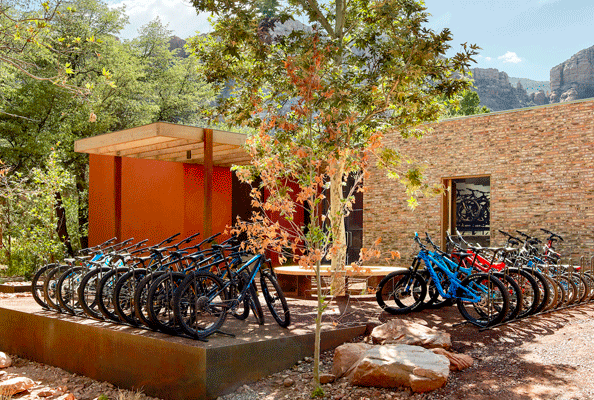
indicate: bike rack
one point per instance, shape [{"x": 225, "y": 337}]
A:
[{"x": 582, "y": 259}]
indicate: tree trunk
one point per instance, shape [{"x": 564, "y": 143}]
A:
[
  {"x": 83, "y": 211},
  {"x": 61, "y": 228},
  {"x": 338, "y": 255},
  {"x": 318, "y": 333}
]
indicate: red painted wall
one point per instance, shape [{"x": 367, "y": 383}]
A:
[{"x": 158, "y": 199}]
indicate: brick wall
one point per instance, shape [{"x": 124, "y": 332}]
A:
[{"x": 541, "y": 165}]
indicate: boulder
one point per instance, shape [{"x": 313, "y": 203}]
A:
[
  {"x": 346, "y": 355},
  {"x": 5, "y": 360},
  {"x": 401, "y": 365},
  {"x": 327, "y": 378},
  {"x": 397, "y": 331},
  {"x": 458, "y": 362},
  {"x": 13, "y": 386}
]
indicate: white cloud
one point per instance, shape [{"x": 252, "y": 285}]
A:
[
  {"x": 488, "y": 58},
  {"x": 180, "y": 15},
  {"x": 510, "y": 57}
]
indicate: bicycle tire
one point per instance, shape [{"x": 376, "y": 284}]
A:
[
  {"x": 583, "y": 288},
  {"x": 530, "y": 291},
  {"x": 494, "y": 300},
  {"x": 140, "y": 298},
  {"x": 66, "y": 292},
  {"x": 160, "y": 302},
  {"x": 274, "y": 297},
  {"x": 49, "y": 286},
  {"x": 123, "y": 294},
  {"x": 554, "y": 290},
  {"x": 394, "y": 286},
  {"x": 200, "y": 304},
  {"x": 543, "y": 288},
  {"x": 435, "y": 300},
  {"x": 590, "y": 280},
  {"x": 514, "y": 293},
  {"x": 87, "y": 292},
  {"x": 37, "y": 285},
  {"x": 571, "y": 290},
  {"x": 105, "y": 299},
  {"x": 242, "y": 311},
  {"x": 562, "y": 293}
]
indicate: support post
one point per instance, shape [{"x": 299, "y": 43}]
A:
[
  {"x": 208, "y": 171},
  {"x": 117, "y": 194}
]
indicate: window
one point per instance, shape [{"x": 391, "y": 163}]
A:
[{"x": 468, "y": 208}]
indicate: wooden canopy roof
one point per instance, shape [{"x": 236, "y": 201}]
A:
[{"x": 169, "y": 142}]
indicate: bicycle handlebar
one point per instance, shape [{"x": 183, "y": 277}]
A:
[
  {"x": 552, "y": 235},
  {"x": 168, "y": 240}
]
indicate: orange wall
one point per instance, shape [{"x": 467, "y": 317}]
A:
[
  {"x": 101, "y": 199},
  {"x": 158, "y": 199}
]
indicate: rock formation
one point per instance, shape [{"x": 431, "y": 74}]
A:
[
  {"x": 497, "y": 93},
  {"x": 574, "y": 78}
]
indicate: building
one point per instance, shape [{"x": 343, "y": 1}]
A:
[{"x": 535, "y": 166}]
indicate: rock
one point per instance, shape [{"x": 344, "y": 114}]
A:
[
  {"x": 5, "y": 360},
  {"x": 398, "y": 331},
  {"x": 2, "y": 374},
  {"x": 401, "y": 365},
  {"x": 569, "y": 95},
  {"x": 458, "y": 362},
  {"x": 577, "y": 73},
  {"x": 288, "y": 382},
  {"x": 45, "y": 392},
  {"x": 346, "y": 355},
  {"x": 496, "y": 92},
  {"x": 13, "y": 386},
  {"x": 327, "y": 378}
]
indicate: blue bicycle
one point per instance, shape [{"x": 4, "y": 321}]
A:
[{"x": 482, "y": 299}]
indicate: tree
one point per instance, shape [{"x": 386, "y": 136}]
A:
[
  {"x": 375, "y": 70},
  {"x": 467, "y": 103}
]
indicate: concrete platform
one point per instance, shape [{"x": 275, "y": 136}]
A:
[{"x": 165, "y": 366}]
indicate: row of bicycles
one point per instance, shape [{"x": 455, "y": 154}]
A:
[
  {"x": 489, "y": 285},
  {"x": 176, "y": 288}
]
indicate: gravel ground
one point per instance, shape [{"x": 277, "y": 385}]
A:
[{"x": 548, "y": 356}]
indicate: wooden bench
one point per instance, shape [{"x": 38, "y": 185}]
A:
[{"x": 297, "y": 282}]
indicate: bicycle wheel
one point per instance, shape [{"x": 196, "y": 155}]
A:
[
  {"x": 582, "y": 285},
  {"x": 571, "y": 290},
  {"x": 435, "y": 300},
  {"x": 590, "y": 280},
  {"x": 405, "y": 289},
  {"x": 49, "y": 286},
  {"x": 530, "y": 291},
  {"x": 140, "y": 298},
  {"x": 543, "y": 287},
  {"x": 200, "y": 304},
  {"x": 37, "y": 284},
  {"x": 160, "y": 302},
  {"x": 241, "y": 311},
  {"x": 88, "y": 289},
  {"x": 275, "y": 299},
  {"x": 105, "y": 299},
  {"x": 67, "y": 288},
  {"x": 483, "y": 300},
  {"x": 562, "y": 293},
  {"x": 123, "y": 294},
  {"x": 515, "y": 295},
  {"x": 554, "y": 289}
]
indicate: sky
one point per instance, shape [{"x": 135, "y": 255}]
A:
[{"x": 524, "y": 38}]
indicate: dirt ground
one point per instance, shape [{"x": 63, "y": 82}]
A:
[{"x": 548, "y": 356}]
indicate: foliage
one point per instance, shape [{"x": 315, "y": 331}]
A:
[
  {"x": 325, "y": 98},
  {"x": 29, "y": 216},
  {"x": 467, "y": 103},
  {"x": 127, "y": 83}
]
